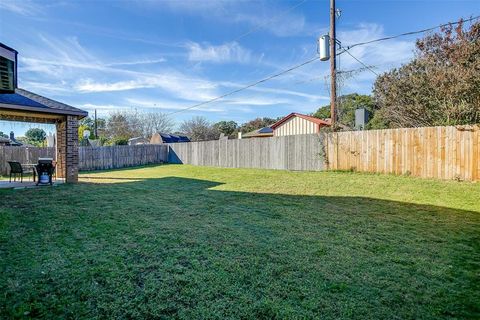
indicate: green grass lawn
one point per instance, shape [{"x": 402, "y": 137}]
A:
[{"x": 207, "y": 243}]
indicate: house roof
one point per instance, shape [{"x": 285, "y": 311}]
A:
[
  {"x": 8, "y": 48},
  {"x": 172, "y": 138},
  {"x": 10, "y": 141},
  {"x": 262, "y": 132},
  {"x": 29, "y": 101},
  {"x": 303, "y": 116},
  {"x": 139, "y": 139}
]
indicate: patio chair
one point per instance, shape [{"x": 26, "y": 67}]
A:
[{"x": 17, "y": 169}]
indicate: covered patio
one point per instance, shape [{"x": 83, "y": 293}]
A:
[
  {"x": 26, "y": 106},
  {"x": 21, "y": 105}
]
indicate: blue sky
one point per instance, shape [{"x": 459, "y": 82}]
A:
[{"x": 162, "y": 56}]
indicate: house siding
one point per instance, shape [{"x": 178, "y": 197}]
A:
[{"x": 296, "y": 125}]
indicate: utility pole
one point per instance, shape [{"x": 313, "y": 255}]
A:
[
  {"x": 95, "y": 125},
  {"x": 333, "y": 65}
]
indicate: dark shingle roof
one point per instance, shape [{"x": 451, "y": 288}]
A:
[
  {"x": 171, "y": 138},
  {"x": 262, "y": 132},
  {"x": 26, "y": 100}
]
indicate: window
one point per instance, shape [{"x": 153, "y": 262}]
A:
[{"x": 7, "y": 75}]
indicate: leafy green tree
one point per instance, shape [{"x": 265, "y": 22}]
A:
[
  {"x": 88, "y": 123},
  {"x": 323, "y": 112},
  {"x": 118, "y": 141},
  {"x": 347, "y": 105},
  {"x": 257, "y": 123},
  {"x": 226, "y": 127},
  {"x": 441, "y": 86},
  {"x": 35, "y": 136}
]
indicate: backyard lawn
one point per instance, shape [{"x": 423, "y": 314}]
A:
[{"x": 190, "y": 242}]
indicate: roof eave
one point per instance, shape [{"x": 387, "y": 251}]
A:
[
  {"x": 79, "y": 114},
  {"x": 294, "y": 114}
]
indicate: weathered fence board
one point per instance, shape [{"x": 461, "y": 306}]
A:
[
  {"x": 112, "y": 157},
  {"x": 90, "y": 158},
  {"x": 430, "y": 152},
  {"x": 300, "y": 152},
  {"x": 22, "y": 155}
]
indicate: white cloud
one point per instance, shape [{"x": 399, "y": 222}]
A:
[
  {"x": 67, "y": 62},
  {"x": 257, "y": 101},
  {"x": 228, "y": 52},
  {"x": 137, "y": 62},
  {"x": 61, "y": 55},
  {"x": 278, "y": 91},
  {"x": 90, "y": 85},
  {"x": 180, "y": 86},
  {"x": 376, "y": 54},
  {"x": 275, "y": 17},
  {"x": 22, "y": 7},
  {"x": 60, "y": 88},
  {"x": 103, "y": 110},
  {"x": 101, "y": 107},
  {"x": 169, "y": 105},
  {"x": 281, "y": 25}
]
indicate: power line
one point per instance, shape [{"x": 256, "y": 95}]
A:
[
  {"x": 345, "y": 49},
  {"x": 247, "y": 86},
  {"x": 359, "y": 61},
  {"x": 254, "y": 29},
  {"x": 410, "y": 33}
]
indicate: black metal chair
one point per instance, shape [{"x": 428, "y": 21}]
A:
[{"x": 17, "y": 169}]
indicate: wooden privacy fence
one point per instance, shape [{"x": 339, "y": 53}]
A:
[
  {"x": 90, "y": 158},
  {"x": 112, "y": 157},
  {"x": 22, "y": 155},
  {"x": 300, "y": 152},
  {"x": 431, "y": 152}
]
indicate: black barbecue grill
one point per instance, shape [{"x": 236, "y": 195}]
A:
[{"x": 45, "y": 170}]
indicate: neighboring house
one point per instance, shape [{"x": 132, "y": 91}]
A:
[
  {"x": 296, "y": 123},
  {"x": 259, "y": 133},
  {"x": 10, "y": 141},
  {"x": 159, "y": 138},
  {"x": 138, "y": 141},
  {"x": 4, "y": 141}
]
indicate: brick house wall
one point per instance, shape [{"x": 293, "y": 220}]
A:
[{"x": 67, "y": 149}]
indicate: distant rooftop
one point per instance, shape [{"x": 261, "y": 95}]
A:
[
  {"x": 303, "y": 116},
  {"x": 262, "y": 132}
]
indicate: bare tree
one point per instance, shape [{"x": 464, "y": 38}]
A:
[
  {"x": 128, "y": 124},
  {"x": 198, "y": 129},
  {"x": 122, "y": 124},
  {"x": 150, "y": 123}
]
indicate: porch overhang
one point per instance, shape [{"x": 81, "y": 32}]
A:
[
  {"x": 31, "y": 107},
  {"x": 26, "y": 106}
]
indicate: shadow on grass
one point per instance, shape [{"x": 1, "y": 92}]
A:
[
  {"x": 179, "y": 248},
  {"x": 107, "y": 178}
]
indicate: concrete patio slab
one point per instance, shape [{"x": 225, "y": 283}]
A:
[{"x": 5, "y": 184}]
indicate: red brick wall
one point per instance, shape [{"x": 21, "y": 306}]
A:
[{"x": 67, "y": 149}]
